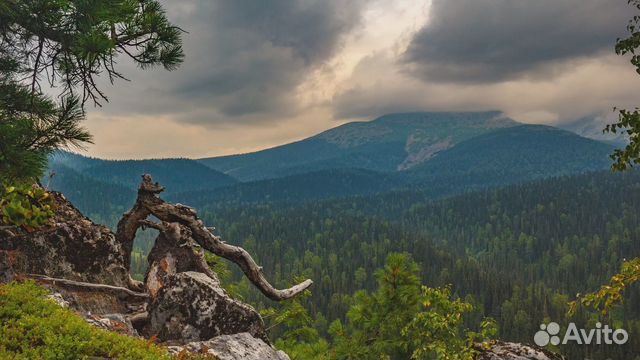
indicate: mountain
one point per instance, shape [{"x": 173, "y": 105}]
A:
[
  {"x": 389, "y": 143},
  {"x": 591, "y": 127},
  {"x": 440, "y": 154},
  {"x": 175, "y": 174},
  {"x": 505, "y": 156},
  {"x": 508, "y": 156}
]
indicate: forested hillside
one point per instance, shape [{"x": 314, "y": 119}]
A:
[
  {"x": 183, "y": 174},
  {"x": 519, "y": 253},
  {"x": 389, "y": 143},
  {"x": 442, "y": 154}
]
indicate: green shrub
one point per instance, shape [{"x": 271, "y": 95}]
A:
[
  {"x": 34, "y": 327},
  {"x": 28, "y": 206}
]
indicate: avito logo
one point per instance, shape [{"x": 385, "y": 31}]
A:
[{"x": 548, "y": 334}]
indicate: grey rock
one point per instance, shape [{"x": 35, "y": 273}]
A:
[
  {"x": 71, "y": 247},
  {"x": 6, "y": 272},
  {"x": 113, "y": 322},
  {"x": 515, "y": 351},
  {"x": 59, "y": 299},
  {"x": 233, "y": 347},
  {"x": 174, "y": 253},
  {"x": 191, "y": 306}
]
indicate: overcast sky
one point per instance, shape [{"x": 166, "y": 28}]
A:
[{"x": 263, "y": 73}]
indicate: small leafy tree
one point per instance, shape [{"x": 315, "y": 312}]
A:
[
  {"x": 29, "y": 207},
  {"x": 404, "y": 319},
  {"x": 374, "y": 321},
  {"x": 299, "y": 339},
  {"x": 629, "y": 122},
  {"x": 613, "y": 293},
  {"x": 437, "y": 332}
]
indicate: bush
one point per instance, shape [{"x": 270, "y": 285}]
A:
[
  {"x": 34, "y": 327},
  {"x": 30, "y": 207}
]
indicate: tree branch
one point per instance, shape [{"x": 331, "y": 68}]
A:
[
  {"x": 92, "y": 286},
  {"x": 149, "y": 203}
]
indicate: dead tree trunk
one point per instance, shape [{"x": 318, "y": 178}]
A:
[{"x": 150, "y": 203}]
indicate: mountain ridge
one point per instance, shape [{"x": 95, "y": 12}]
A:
[
  {"x": 440, "y": 153},
  {"x": 388, "y": 143}
]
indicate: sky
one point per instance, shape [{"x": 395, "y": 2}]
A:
[{"x": 263, "y": 73}]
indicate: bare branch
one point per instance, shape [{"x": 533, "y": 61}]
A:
[
  {"x": 117, "y": 290},
  {"x": 149, "y": 203}
]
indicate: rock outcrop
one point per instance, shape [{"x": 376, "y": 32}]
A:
[
  {"x": 515, "y": 351},
  {"x": 181, "y": 302},
  {"x": 71, "y": 247},
  {"x": 191, "y": 307},
  {"x": 6, "y": 271},
  {"x": 241, "y": 346}
]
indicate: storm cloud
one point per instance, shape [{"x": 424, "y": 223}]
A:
[
  {"x": 251, "y": 54},
  {"x": 259, "y": 73},
  {"x": 496, "y": 40},
  {"x": 244, "y": 59}
]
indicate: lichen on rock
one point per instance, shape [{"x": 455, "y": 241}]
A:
[
  {"x": 193, "y": 307},
  {"x": 242, "y": 346},
  {"x": 516, "y": 351}
]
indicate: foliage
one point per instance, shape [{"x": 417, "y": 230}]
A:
[
  {"x": 31, "y": 127},
  {"x": 518, "y": 254},
  {"x": 300, "y": 338},
  {"x": 611, "y": 294},
  {"x": 437, "y": 331},
  {"x": 68, "y": 43},
  {"x": 403, "y": 319},
  {"x": 374, "y": 321},
  {"x": 74, "y": 41},
  {"x": 628, "y": 120},
  {"x": 26, "y": 206},
  {"x": 34, "y": 327}
]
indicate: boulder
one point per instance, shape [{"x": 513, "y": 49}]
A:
[
  {"x": 174, "y": 251},
  {"x": 232, "y": 347},
  {"x": 71, "y": 247},
  {"x": 191, "y": 306},
  {"x": 515, "y": 351}
]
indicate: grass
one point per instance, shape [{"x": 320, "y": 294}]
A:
[{"x": 34, "y": 327}]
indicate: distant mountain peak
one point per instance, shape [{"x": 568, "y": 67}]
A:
[{"x": 389, "y": 143}]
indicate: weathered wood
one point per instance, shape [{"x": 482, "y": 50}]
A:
[
  {"x": 130, "y": 222},
  {"x": 149, "y": 203},
  {"x": 117, "y": 290}
]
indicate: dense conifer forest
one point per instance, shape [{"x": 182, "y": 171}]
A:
[{"x": 519, "y": 254}]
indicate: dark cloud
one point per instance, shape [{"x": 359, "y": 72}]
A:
[
  {"x": 496, "y": 40},
  {"x": 244, "y": 59},
  {"x": 248, "y": 56}
]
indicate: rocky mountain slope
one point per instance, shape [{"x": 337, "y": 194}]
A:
[
  {"x": 389, "y": 143},
  {"x": 440, "y": 153}
]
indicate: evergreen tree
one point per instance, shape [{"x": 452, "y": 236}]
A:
[{"x": 68, "y": 43}]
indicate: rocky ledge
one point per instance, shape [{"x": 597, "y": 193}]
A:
[
  {"x": 84, "y": 266},
  {"x": 515, "y": 351}
]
